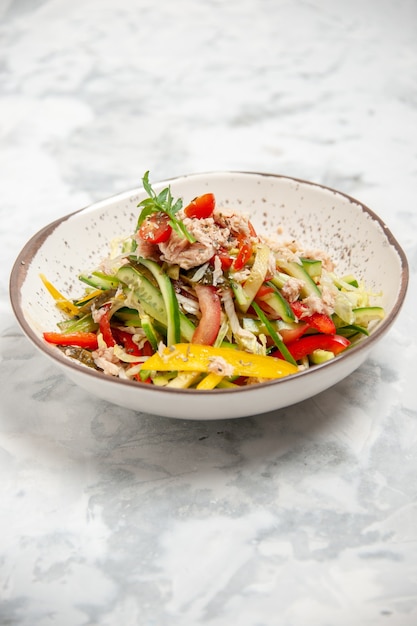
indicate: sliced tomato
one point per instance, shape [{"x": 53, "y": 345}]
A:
[
  {"x": 81, "y": 340},
  {"x": 201, "y": 207},
  {"x": 306, "y": 345},
  {"x": 244, "y": 253},
  {"x": 210, "y": 307},
  {"x": 225, "y": 259},
  {"x": 156, "y": 228},
  {"x": 319, "y": 321},
  {"x": 263, "y": 291}
]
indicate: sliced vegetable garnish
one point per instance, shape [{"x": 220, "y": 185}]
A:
[{"x": 163, "y": 203}]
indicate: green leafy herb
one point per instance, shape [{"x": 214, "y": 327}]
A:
[{"x": 162, "y": 203}]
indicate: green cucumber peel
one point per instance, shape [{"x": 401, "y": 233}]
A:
[{"x": 274, "y": 335}]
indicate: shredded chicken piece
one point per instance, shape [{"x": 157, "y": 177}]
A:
[
  {"x": 292, "y": 289},
  {"x": 217, "y": 272},
  {"x": 97, "y": 314},
  {"x": 209, "y": 235},
  {"x": 286, "y": 250},
  {"x": 315, "y": 304},
  {"x": 177, "y": 250},
  {"x": 107, "y": 361},
  {"x": 234, "y": 222},
  {"x": 219, "y": 365}
]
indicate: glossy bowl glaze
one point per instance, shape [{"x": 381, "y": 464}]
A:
[{"x": 319, "y": 217}]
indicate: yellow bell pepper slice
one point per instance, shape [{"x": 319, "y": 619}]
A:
[
  {"x": 210, "y": 381},
  {"x": 89, "y": 296},
  {"x": 200, "y": 358},
  {"x": 61, "y": 301}
]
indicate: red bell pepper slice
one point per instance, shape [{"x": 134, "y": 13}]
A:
[
  {"x": 306, "y": 345},
  {"x": 126, "y": 340},
  {"x": 293, "y": 332},
  {"x": 105, "y": 328},
  {"x": 210, "y": 307},
  {"x": 201, "y": 207},
  {"x": 319, "y": 321},
  {"x": 81, "y": 340}
]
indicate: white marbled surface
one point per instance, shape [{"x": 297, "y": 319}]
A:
[{"x": 305, "y": 516}]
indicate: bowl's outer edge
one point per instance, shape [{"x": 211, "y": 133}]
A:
[{"x": 22, "y": 263}]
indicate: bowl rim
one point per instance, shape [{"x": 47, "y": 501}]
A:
[{"x": 24, "y": 258}]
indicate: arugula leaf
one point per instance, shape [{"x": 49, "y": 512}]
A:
[{"x": 162, "y": 203}]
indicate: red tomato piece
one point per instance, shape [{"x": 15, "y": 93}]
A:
[
  {"x": 210, "y": 307},
  {"x": 225, "y": 259},
  {"x": 201, "y": 207},
  {"x": 81, "y": 340},
  {"x": 263, "y": 291},
  {"x": 155, "y": 228},
  {"x": 243, "y": 255}
]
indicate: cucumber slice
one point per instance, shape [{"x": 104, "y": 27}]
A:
[
  {"x": 351, "y": 330},
  {"x": 350, "y": 280},
  {"x": 130, "y": 317},
  {"x": 279, "y": 279},
  {"x": 83, "y": 324},
  {"x": 150, "y": 331},
  {"x": 143, "y": 292},
  {"x": 320, "y": 356},
  {"x": 274, "y": 335},
  {"x": 279, "y": 304},
  {"x": 364, "y": 315},
  {"x": 99, "y": 280},
  {"x": 312, "y": 267},
  {"x": 296, "y": 270},
  {"x": 169, "y": 298},
  {"x": 245, "y": 293}
]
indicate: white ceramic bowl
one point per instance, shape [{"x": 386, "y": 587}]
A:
[{"x": 319, "y": 217}]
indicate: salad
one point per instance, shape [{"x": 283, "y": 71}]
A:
[{"x": 196, "y": 298}]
